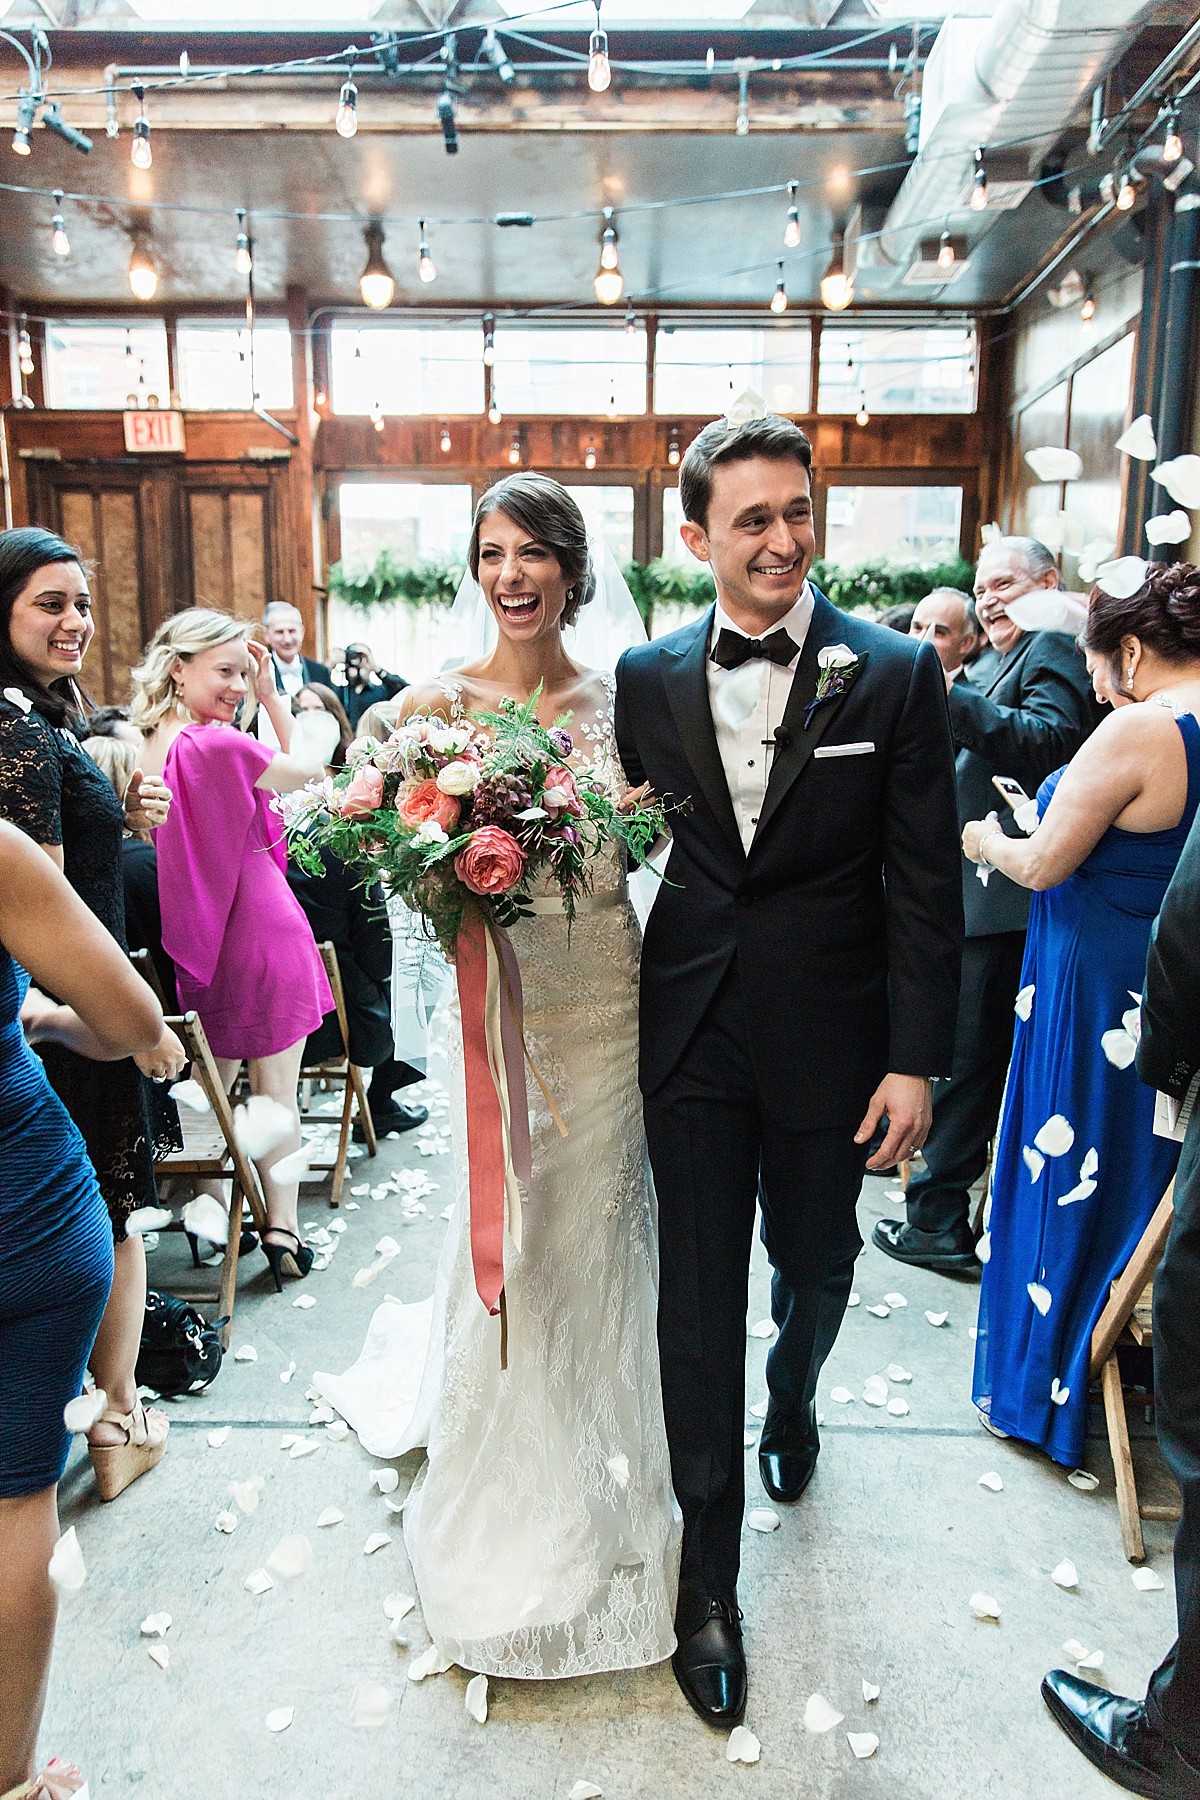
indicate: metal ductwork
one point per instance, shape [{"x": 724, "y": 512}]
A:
[{"x": 1019, "y": 74}]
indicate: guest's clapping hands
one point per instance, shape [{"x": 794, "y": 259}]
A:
[
  {"x": 908, "y": 1102},
  {"x": 166, "y": 1059},
  {"x": 147, "y": 802}
]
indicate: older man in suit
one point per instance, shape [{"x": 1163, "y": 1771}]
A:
[{"x": 1023, "y": 709}]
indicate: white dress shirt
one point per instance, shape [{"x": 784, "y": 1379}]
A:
[
  {"x": 292, "y": 677},
  {"x": 746, "y": 741}
]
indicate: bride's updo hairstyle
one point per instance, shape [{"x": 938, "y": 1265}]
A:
[
  {"x": 1163, "y": 614},
  {"x": 543, "y": 508},
  {"x": 179, "y": 638}
]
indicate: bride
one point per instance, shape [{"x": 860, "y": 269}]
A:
[{"x": 542, "y": 1529}]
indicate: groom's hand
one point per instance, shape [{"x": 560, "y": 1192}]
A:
[{"x": 908, "y": 1102}]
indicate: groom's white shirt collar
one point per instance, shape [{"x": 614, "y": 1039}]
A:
[{"x": 795, "y": 621}]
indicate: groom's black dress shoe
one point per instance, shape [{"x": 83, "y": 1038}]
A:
[
  {"x": 709, "y": 1663},
  {"x": 908, "y": 1244},
  {"x": 1118, "y": 1736},
  {"x": 788, "y": 1458}
]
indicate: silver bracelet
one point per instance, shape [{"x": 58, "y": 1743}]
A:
[{"x": 983, "y": 840}]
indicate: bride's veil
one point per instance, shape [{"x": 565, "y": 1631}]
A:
[{"x": 609, "y": 624}]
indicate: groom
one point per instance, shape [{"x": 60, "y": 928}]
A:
[{"x": 799, "y": 980}]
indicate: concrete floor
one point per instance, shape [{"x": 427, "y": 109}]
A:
[{"x": 868, "y": 1576}]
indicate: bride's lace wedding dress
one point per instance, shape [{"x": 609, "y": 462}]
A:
[{"x": 542, "y": 1530}]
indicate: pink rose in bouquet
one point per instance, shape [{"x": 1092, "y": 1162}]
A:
[
  {"x": 423, "y": 801},
  {"x": 561, "y": 794},
  {"x": 363, "y": 795},
  {"x": 492, "y": 861}
]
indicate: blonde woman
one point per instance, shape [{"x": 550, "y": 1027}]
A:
[{"x": 245, "y": 958}]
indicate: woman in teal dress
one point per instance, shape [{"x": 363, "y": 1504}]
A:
[{"x": 1078, "y": 1170}]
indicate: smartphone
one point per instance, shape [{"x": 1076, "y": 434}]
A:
[{"x": 1012, "y": 791}]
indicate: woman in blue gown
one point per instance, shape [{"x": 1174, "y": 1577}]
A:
[{"x": 1078, "y": 1170}]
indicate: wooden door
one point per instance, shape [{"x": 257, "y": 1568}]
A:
[{"x": 230, "y": 523}]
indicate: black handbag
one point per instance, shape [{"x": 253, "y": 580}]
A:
[{"x": 180, "y": 1352}]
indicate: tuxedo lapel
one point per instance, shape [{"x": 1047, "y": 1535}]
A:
[
  {"x": 686, "y": 681},
  {"x": 1008, "y": 664},
  {"x": 794, "y": 754}
]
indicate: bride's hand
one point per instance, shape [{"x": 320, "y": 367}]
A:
[{"x": 636, "y": 796}]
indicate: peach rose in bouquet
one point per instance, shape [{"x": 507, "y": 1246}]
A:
[
  {"x": 492, "y": 862},
  {"x": 363, "y": 794},
  {"x": 424, "y": 800}
]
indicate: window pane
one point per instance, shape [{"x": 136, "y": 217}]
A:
[
  {"x": 407, "y": 368},
  {"x": 908, "y": 370},
  {"x": 609, "y": 510},
  {"x": 550, "y": 370},
  {"x": 862, "y": 523},
  {"x": 703, "y": 369},
  {"x": 418, "y": 522},
  {"x": 214, "y": 365},
  {"x": 674, "y": 549},
  {"x": 106, "y": 365}
]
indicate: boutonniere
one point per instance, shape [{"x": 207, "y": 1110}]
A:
[
  {"x": 15, "y": 697},
  {"x": 839, "y": 669}
]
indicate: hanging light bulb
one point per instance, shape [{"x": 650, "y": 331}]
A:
[
  {"x": 243, "y": 258},
  {"x": 489, "y": 341},
  {"x": 589, "y": 457},
  {"x": 346, "y": 119},
  {"x": 143, "y": 276},
  {"x": 979, "y": 184},
  {"x": 742, "y": 124},
  {"x": 376, "y": 284},
  {"x": 1126, "y": 194},
  {"x": 630, "y": 319},
  {"x": 1172, "y": 143},
  {"x": 1087, "y": 309},
  {"x": 779, "y": 297},
  {"x": 494, "y": 413},
  {"x": 609, "y": 283},
  {"x": 426, "y": 267},
  {"x": 673, "y": 452},
  {"x": 514, "y": 452},
  {"x": 140, "y": 153},
  {"x": 445, "y": 443},
  {"x": 320, "y": 398},
  {"x": 26, "y": 114},
  {"x": 599, "y": 68},
  {"x": 837, "y": 288},
  {"x": 862, "y": 416},
  {"x": 112, "y": 124},
  {"x": 60, "y": 241},
  {"x": 945, "y": 256},
  {"x": 376, "y": 415},
  {"x": 791, "y": 231},
  {"x": 24, "y": 349}
]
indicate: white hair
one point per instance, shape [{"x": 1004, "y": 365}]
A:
[{"x": 274, "y": 607}]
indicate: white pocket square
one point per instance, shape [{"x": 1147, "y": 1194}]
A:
[{"x": 844, "y": 749}]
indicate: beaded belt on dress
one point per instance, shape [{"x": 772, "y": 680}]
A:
[{"x": 548, "y": 905}]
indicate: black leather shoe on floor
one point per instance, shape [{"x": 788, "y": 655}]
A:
[
  {"x": 392, "y": 1118},
  {"x": 1118, "y": 1737},
  {"x": 709, "y": 1663},
  {"x": 909, "y": 1245},
  {"x": 788, "y": 1457}
]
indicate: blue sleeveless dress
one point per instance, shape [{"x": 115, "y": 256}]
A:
[
  {"x": 56, "y": 1257},
  {"x": 1078, "y": 1171}
]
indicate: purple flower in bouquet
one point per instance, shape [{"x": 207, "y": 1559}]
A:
[{"x": 562, "y": 740}]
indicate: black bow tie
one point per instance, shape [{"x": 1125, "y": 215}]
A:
[{"x": 732, "y": 649}]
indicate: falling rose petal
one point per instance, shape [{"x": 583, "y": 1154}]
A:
[
  {"x": 618, "y": 1468},
  {"x": 870, "y": 1691},
  {"x": 898, "y": 1406},
  {"x": 148, "y": 1219},
  {"x": 338, "y": 1430},
  {"x": 291, "y": 1557},
  {"x": 897, "y": 1372},
  {"x": 983, "y": 1248},
  {"x": 1091, "y": 1663},
  {"x": 1058, "y": 530},
  {"x": 220, "y": 1436},
  {"x": 293, "y": 1166},
  {"x": 81, "y": 1413},
  {"x": 1034, "y": 1161},
  {"x": 1083, "y": 1190},
  {"x": 1138, "y": 439},
  {"x": 1146, "y": 1581},
  {"x": 260, "y": 1125},
  {"x": 1066, "y": 1575},
  {"x": 206, "y": 1218},
  {"x": 258, "y": 1582},
  {"x": 246, "y": 1353},
  {"x": 586, "y": 1790},
  {"x": 880, "y": 1312},
  {"x": 430, "y": 1662},
  {"x": 155, "y": 1624},
  {"x": 1041, "y": 1296},
  {"x": 992, "y": 1482},
  {"x": 1084, "y": 1480},
  {"x": 385, "y": 1481},
  {"x": 1132, "y": 1020},
  {"x": 226, "y": 1522},
  {"x": 743, "y": 1746},
  {"x": 303, "y": 1302},
  {"x": 842, "y": 1395},
  {"x": 475, "y": 1700},
  {"x": 370, "y": 1705},
  {"x": 280, "y": 1719},
  {"x": 1169, "y": 528},
  {"x": 1180, "y": 475},
  {"x": 378, "y": 1540},
  {"x": 1118, "y": 1047},
  {"x": 1059, "y": 1394},
  {"x": 190, "y": 1094},
  {"x": 1027, "y": 818},
  {"x": 1053, "y": 464},
  {"x": 1055, "y": 1137},
  {"x": 819, "y": 1715},
  {"x": 330, "y": 1516},
  {"x": 1089, "y": 1165},
  {"x": 759, "y": 1409},
  {"x": 984, "y": 1606},
  {"x": 875, "y": 1390},
  {"x": 397, "y": 1607},
  {"x": 1122, "y": 577},
  {"x": 896, "y": 1301},
  {"x": 937, "y": 1318},
  {"x": 853, "y": 1300},
  {"x": 863, "y": 1743},
  {"x": 67, "y": 1569},
  {"x": 1093, "y": 554},
  {"x": 1023, "y": 1005},
  {"x": 737, "y": 696},
  {"x": 761, "y": 1518}
]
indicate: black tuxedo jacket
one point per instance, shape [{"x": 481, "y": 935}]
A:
[
  {"x": 313, "y": 671},
  {"x": 845, "y": 918},
  {"x": 1169, "y": 1052}
]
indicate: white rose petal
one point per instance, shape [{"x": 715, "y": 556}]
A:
[
  {"x": 220, "y": 1436},
  {"x": 880, "y": 1312},
  {"x": 397, "y": 1607},
  {"x": 937, "y": 1318},
  {"x": 1041, "y": 1296},
  {"x": 1082, "y": 1191},
  {"x": 1024, "y": 1002},
  {"x": 1052, "y": 464},
  {"x": 853, "y": 1300},
  {"x": 875, "y": 1391},
  {"x": 1059, "y": 530},
  {"x": 1091, "y": 1663},
  {"x": 841, "y": 1395},
  {"x": 280, "y": 1719},
  {"x": 759, "y": 1409},
  {"x": 1059, "y": 1394},
  {"x": 378, "y": 1540},
  {"x": 1094, "y": 552},
  {"x": 764, "y": 1328},
  {"x": 291, "y": 1557},
  {"x": 761, "y": 1518},
  {"x": 1180, "y": 475},
  {"x": 737, "y": 695},
  {"x": 246, "y": 1353},
  {"x": 1065, "y": 1575},
  {"x": 303, "y": 1302},
  {"x": 205, "y": 1217},
  {"x": 1169, "y": 528},
  {"x": 158, "y": 1653},
  {"x": 475, "y": 1700},
  {"x": 226, "y": 1522},
  {"x": 148, "y": 1220},
  {"x": 303, "y": 1447},
  {"x": 586, "y": 1790},
  {"x": 1084, "y": 1480},
  {"x": 1138, "y": 439},
  {"x": 742, "y": 1747},
  {"x": 819, "y": 1715},
  {"x": 67, "y": 1569},
  {"x": 897, "y": 1372},
  {"x": 618, "y": 1468},
  {"x": 983, "y": 1248},
  {"x": 1123, "y": 576},
  {"x": 1119, "y": 1047},
  {"x": 992, "y": 1482},
  {"x": 331, "y": 1515},
  {"x": 430, "y": 1662},
  {"x": 385, "y": 1481},
  {"x": 870, "y": 1691},
  {"x": 1055, "y": 1137},
  {"x": 863, "y": 1743},
  {"x": 285, "y": 1375},
  {"x": 1026, "y": 818},
  {"x": 260, "y": 1125},
  {"x": 984, "y": 1606},
  {"x": 1146, "y": 1581},
  {"x": 155, "y": 1624},
  {"x": 82, "y": 1413},
  {"x": 370, "y": 1705},
  {"x": 258, "y": 1582},
  {"x": 898, "y": 1406},
  {"x": 16, "y": 698},
  {"x": 897, "y": 1301}
]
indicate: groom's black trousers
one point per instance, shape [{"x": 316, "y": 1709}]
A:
[{"x": 714, "y": 1152}]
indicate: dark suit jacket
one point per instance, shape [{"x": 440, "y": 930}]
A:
[
  {"x": 1023, "y": 714},
  {"x": 357, "y": 701},
  {"x": 351, "y": 917},
  {"x": 845, "y": 918},
  {"x": 1169, "y": 1052},
  {"x": 313, "y": 671}
]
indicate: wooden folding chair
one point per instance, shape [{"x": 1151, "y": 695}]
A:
[
  {"x": 340, "y": 1069},
  {"x": 1128, "y": 1319},
  {"x": 210, "y": 1148}
]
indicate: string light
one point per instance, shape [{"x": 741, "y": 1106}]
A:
[
  {"x": 26, "y": 114},
  {"x": 1087, "y": 309},
  {"x": 489, "y": 341},
  {"x": 376, "y": 284},
  {"x": 779, "y": 297},
  {"x": 140, "y": 153},
  {"x": 862, "y": 416},
  {"x": 589, "y": 457},
  {"x": 599, "y": 76},
  {"x": 673, "y": 452},
  {"x": 445, "y": 442},
  {"x": 495, "y": 53},
  {"x": 1172, "y": 143},
  {"x": 837, "y": 287},
  {"x": 376, "y": 415},
  {"x": 24, "y": 349},
  {"x": 514, "y": 452},
  {"x": 143, "y": 276},
  {"x": 426, "y": 267},
  {"x": 979, "y": 184},
  {"x": 346, "y": 119},
  {"x": 791, "y": 231},
  {"x": 243, "y": 258},
  {"x": 631, "y": 323},
  {"x": 1126, "y": 194},
  {"x": 742, "y": 126},
  {"x": 112, "y": 124},
  {"x": 609, "y": 282},
  {"x": 946, "y": 258},
  {"x": 494, "y": 413},
  {"x": 60, "y": 241}
]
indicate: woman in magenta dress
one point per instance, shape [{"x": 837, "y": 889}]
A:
[{"x": 244, "y": 954}]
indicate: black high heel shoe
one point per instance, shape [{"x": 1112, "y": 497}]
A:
[
  {"x": 283, "y": 1260},
  {"x": 247, "y": 1243}
]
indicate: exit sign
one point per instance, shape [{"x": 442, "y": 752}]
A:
[{"x": 153, "y": 431}]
